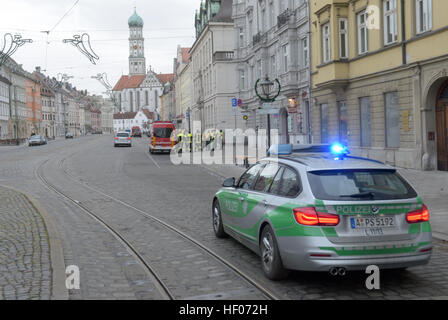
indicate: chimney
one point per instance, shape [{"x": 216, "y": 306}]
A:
[{"x": 38, "y": 69}]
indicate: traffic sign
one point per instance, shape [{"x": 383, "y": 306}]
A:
[
  {"x": 234, "y": 102},
  {"x": 268, "y": 111},
  {"x": 187, "y": 115}
]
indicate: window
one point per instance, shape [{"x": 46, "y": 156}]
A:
[
  {"x": 285, "y": 57},
  {"x": 359, "y": 185},
  {"x": 343, "y": 38},
  {"x": 365, "y": 121},
  {"x": 362, "y": 33},
  {"x": 324, "y": 123},
  {"x": 242, "y": 80},
  {"x": 326, "y": 43},
  {"x": 392, "y": 120},
  {"x": 266, "y": 177},
  {"x": 343, "y": 127},
  {"x": 259, "y": 71},
  {"x": 272, "y": 14},
  {"x": 305, "y": 51},
  {"x": 390, "y": 21},
  {"x": 424, "y": 15},
  {"x": 273, "y": 65},
  {"x": 241, "y": 38},
  {"x": 248, "y": 178},
  {"x": 288, "y": 186}
]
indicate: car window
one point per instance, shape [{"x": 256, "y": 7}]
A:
[
  {"x": 123, "y": 135},
  {"x": 162, "y": 132},
  {"x": 289, "y": 184},
  {"x": 266, "y": 177},
  {"x": 275, "y": 186},
  {"x": 248, "y": 178},
  {"x": 359, "y": 185}
]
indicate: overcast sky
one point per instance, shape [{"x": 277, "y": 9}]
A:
[{"x": 168, "y": 23}]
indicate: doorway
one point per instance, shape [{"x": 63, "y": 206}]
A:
[{"x": 442, "y": 127}]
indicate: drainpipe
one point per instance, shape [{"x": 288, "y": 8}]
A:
[
  {"x": 310, "y": 68},
  {"x": 403, "y": 34}
]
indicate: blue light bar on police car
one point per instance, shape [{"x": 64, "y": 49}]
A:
[
  {"x": 280, "y": 149},
  {"x": 339, "y": 150}
]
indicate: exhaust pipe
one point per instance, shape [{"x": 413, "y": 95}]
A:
[
  {"x": 338, "y": 271},
  {"x": 334, "y": 271}
]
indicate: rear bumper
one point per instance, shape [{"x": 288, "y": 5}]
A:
[
  {"x": 297, "y": 253},
  {"x": 160, "y": 148},
  {"x": 123, "y": 143}
]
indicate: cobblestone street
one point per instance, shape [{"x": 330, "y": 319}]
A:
[{"x": 25, "y": 266}]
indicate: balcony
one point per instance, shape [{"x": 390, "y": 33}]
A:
[
  {"x": 283, "y": 18},
  {"x": 260, "y": 38},
  {"x": 223, "y": 56}
]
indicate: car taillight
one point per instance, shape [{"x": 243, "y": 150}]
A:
[
  {"x": 116, "y": 138},
  {"x": 129, "y": 138},
  {"x": 309, "y": 217},
  {"x": 418, "y": 216}
]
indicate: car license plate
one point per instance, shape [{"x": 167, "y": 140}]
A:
[{"x": 372, "y": 222}]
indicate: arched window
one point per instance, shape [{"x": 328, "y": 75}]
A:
[{"x": 444, "y": 92}]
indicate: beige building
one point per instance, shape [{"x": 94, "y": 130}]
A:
[
  {"x": 380, "y": 79},
  {"x": 183, "y": 87}
]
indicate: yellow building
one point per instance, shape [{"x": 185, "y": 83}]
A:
[{"x": 380, "y": 79}]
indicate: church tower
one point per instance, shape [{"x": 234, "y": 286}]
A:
[{"x": 137, "y": 61}]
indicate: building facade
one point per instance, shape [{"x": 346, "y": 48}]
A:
[
  {"x": 212, "y": 67},
  {"x": 183, "y": 87},
  {"x": 272, "y": 40},
  {"x": 380, "y": 78},
  {"x": 4, "y": 107}
]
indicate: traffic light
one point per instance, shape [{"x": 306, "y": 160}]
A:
[{"x": 245, "y": 117}]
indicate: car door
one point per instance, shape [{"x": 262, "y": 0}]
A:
[
  {"x": 282, "y": 198},
  {"x": 257, "y": 199},
  {"x": 232, "y": 199}
]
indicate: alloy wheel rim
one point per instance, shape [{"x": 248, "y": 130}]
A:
[
  {"x": 268, "y": 251},
  {"x": 216, "y": 218}
]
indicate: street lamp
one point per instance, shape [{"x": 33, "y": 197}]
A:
[{"x": 267, "y": 96}]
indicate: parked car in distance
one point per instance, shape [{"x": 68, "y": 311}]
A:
[
  {"x": 68, "y": 135},
  {"x": 36, "y": 140},
  {"x": 122, "y": 139}
]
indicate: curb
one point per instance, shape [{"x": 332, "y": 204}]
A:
[{"x": 59, "y": 291}]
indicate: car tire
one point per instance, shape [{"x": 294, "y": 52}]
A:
[
  {"x": 271, "y": 261},
  {"x": 218, "y": 227}
]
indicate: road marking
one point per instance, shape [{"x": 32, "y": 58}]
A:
[{"x": 152, "y": 159}]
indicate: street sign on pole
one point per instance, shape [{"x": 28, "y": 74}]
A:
[
  {"x": 234, "y": 102},
  {"x": 268, "y": 111}
]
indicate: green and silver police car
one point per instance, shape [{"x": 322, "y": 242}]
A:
[{"x": 316, "y": 208}]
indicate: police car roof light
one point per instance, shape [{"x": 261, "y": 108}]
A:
[
  {"x": 280, "y": 149},
  {"x": 339, "y": 149}
]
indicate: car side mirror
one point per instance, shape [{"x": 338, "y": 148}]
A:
[{"x": 229, "y": 183}]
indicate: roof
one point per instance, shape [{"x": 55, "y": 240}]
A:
[
  {"x": 125, "y": 115},
  {"x": 164, "y": 78},
  {"x": 127, "y": 82},
  {"x": 225, "y": 12},
  {"x": 148, "y": 114},
  {"x": 327, "y": 161},
  {"x": 185, "y": 55},
  {"x": 135, "y": 20}
]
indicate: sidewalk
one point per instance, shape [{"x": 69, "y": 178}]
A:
[
  {"x": 27, "y": 260},
  {"x": 432, "y": 186}
]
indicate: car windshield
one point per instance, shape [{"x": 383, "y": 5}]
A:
[
  {"x": 359, "y": 185},
  {"x": 35, "y": 138},
  {"x": 162, "y": 132},
  {"x": 125, "y": 135}
]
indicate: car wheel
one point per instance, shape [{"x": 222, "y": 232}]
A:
[
  {"x": 270, "y": 256},
  {"x": 218, "y": 228}
]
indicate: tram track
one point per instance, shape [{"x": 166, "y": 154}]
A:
[{"x": 174, "y": 229}]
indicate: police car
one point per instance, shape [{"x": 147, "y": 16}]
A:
[{"x": 316, "y": 208}]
